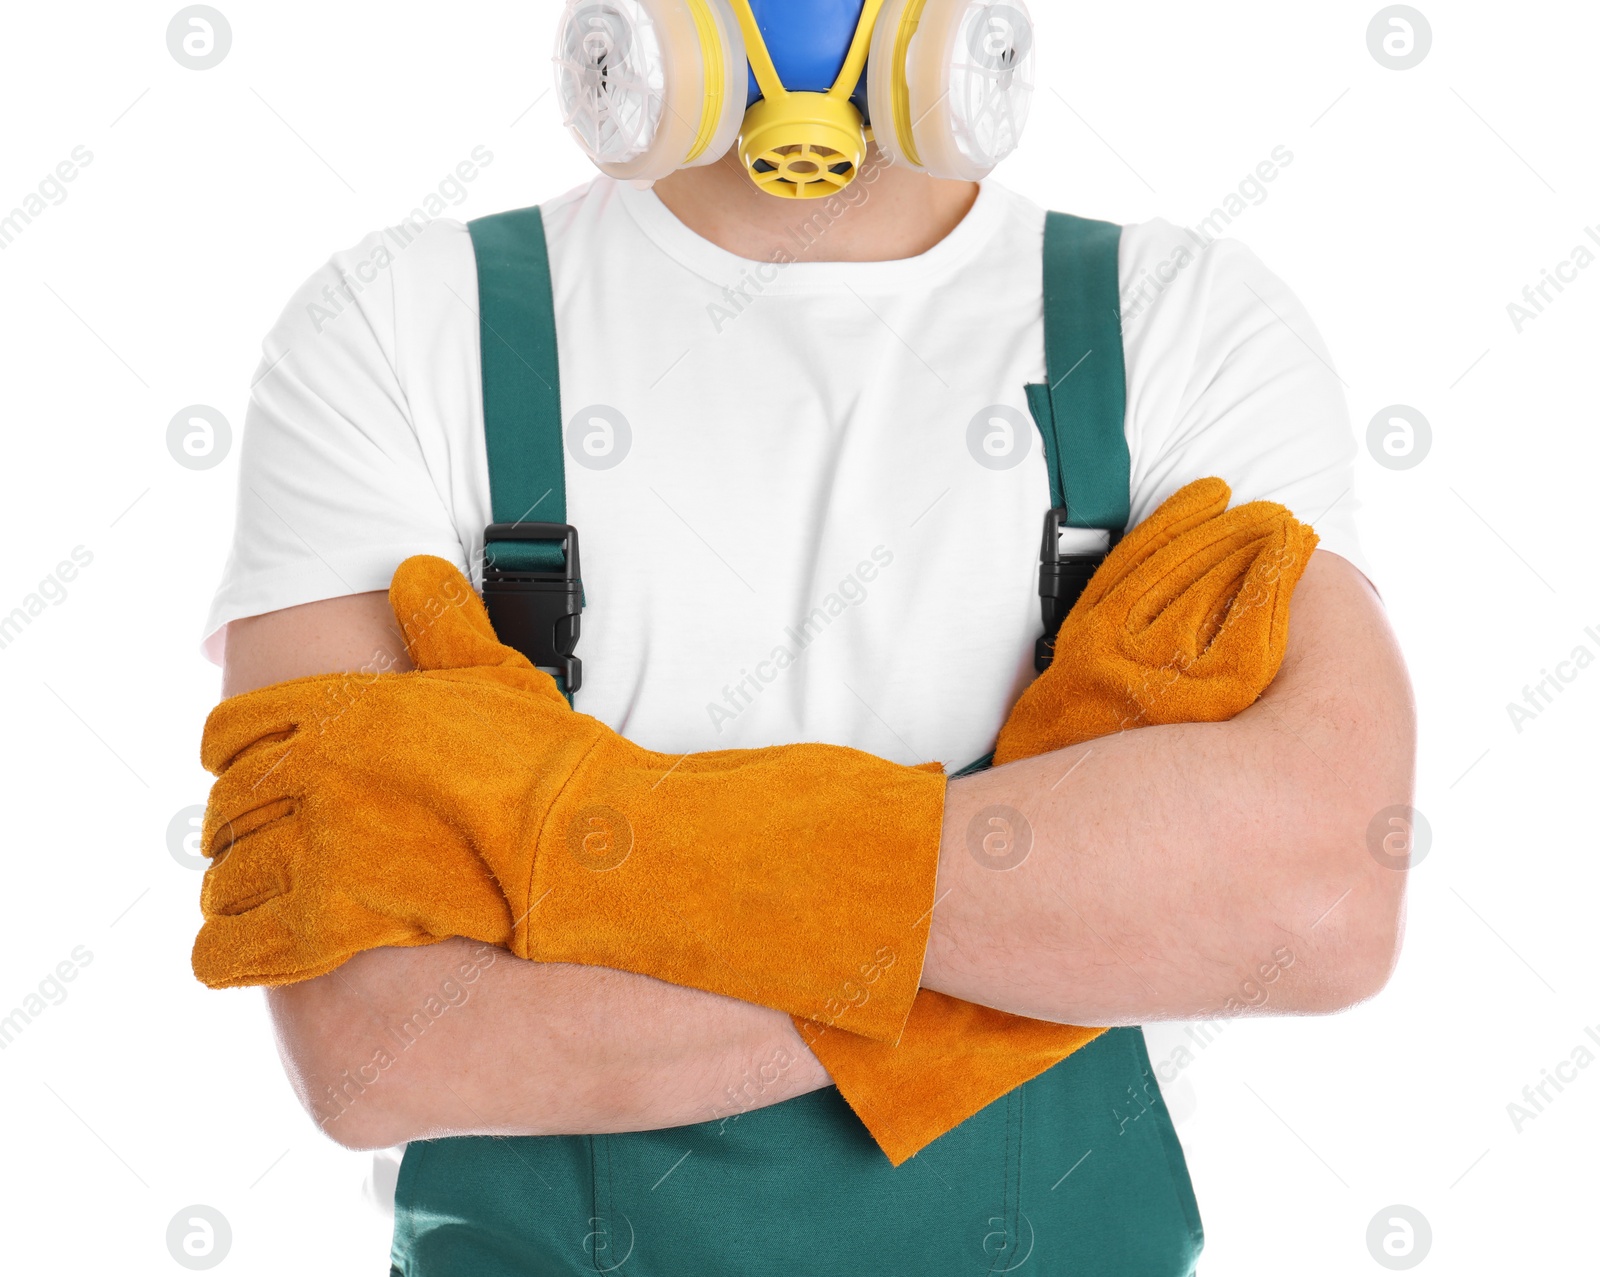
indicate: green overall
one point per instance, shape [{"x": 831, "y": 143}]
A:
[{"x": 1078, "y": 1171}]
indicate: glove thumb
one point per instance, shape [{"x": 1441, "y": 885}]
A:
[{"x": 443, "y": 619}]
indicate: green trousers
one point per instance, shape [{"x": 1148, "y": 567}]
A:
[{"x": 1077, "y": 1172}]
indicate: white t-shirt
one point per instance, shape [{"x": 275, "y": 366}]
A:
[{"x": 799, "y": 543}]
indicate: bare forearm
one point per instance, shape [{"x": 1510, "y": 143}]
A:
[
  {"x": 463, "y": 1039},
  {"x": 1171, "y": 866}
]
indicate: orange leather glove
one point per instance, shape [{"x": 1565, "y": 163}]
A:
[
  {"x": 467, "y": 799},
  {"x": 1186, "y": 621}
]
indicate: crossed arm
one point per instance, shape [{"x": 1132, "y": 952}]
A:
[{"x": 1168, "y": 865}]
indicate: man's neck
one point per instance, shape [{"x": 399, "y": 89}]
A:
[{"x": 886, "y": 214}]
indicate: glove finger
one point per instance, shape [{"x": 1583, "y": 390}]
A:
[
  {"x": 271, "y": 713},
  {"x": 278, "y": 943},
  {"x": 1199, "y": 547},
  {"x": 1188, "y": 507},
  {"x": 1187, "y": 569},
  {"x": 1257, "y": 617},
  {"x": 1167, "y": 594},
  {"x": 247, "y": 948},
  {"x": 1172, "y": 570},
  {"x": 249, "y": 859},
  {"x": 1223, "y": 646},
  {"x": 258, "y": 774},
  {"x": 1182, "y": 628},
  {"x": 444, "y": 621}
]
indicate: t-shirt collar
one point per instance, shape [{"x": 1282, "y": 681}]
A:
[{"x": 718, "y": 265}]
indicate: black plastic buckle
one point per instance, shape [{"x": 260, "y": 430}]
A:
[
  {"x": 1062, "y": 578},
  {"x": 538, "y": 613}
]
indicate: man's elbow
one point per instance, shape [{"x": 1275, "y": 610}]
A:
[
  {"x": 1342, "y": 733},
  {"x": 1346, "y": 895},
  {"x": 336, "y": 1081},
  {"x": 361, "y": 1125},
  {"x": 1352, "y": 918},
  {"x": 1364, "y": 959}
]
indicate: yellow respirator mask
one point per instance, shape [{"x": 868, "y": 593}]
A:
[{"x": 800, "y": 87}]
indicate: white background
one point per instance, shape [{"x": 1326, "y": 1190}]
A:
[{"x": 1419, "y": 203}]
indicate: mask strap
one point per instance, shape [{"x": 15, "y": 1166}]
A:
[
  {"x": 855, "y": 60},
  {"x": 755, "y": 48}
]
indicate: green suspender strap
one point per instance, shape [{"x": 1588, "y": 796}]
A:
[
  {"x": 1080, "y": 407},
  {"x": 531, "y": 581}
]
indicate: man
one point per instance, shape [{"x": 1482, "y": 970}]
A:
[{"x": 793, "y": 399}]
